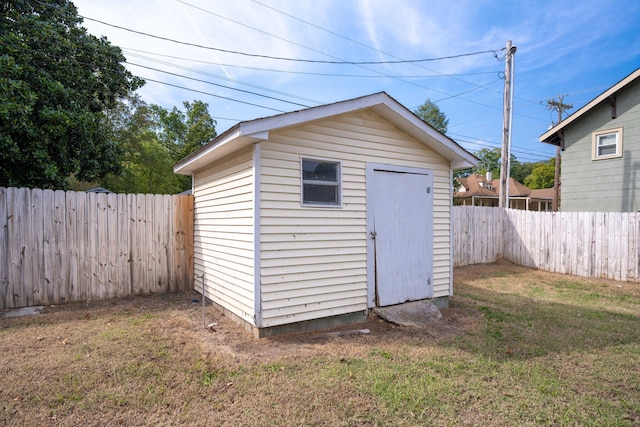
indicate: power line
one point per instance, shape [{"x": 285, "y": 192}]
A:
[
  {"x": 490, "y": 144},
  {"x": 299, "y": 60},
  {"x": 293, "y": 96},
  {"x": 279, "y": 58},
  {"x": 467, "y": 91},
  {"x": 214, "y": 95},
  {"x": 102, "y": 69},
  {"x": 333, "y": 62},
  {"x": 201, "y": 61},
  {"x": 219, "y": 85},
  {"x": 362, "y": 44}
]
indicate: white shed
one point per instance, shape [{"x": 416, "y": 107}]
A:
[{"x": 309, "y": 219}]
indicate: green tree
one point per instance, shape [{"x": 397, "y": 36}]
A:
[
  {"x": 542, "y": 176},
  {"x": 152, "y": 140},
  {"x": 520, "y": 171},
  {"x": 488, "y": 161},
  {"x": 56, "y": 81},
  {"x": 183, "y": 132},
  {"x": 146, "y": 165},
  {"x": 431, "y": 113}
]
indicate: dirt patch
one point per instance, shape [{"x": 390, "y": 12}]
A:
[
  {"x": 180, "y": 319},
  {"x": 150, "y": 360}
]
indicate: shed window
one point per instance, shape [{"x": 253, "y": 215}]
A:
[
  {"x": 320, "y": 182},
  {"x": 607, "y": 144}
]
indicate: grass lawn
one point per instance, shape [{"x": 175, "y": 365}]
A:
[{"x": 516, "y": 347}]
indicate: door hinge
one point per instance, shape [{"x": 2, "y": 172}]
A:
[{"x": 428, "y": 190}]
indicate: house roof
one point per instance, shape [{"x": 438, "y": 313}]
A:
[
  {"x": 515, "y": 188},
  {"x": 477, "y": 185},
  {"x": 543, "y": 193},
  {"x": 552, "y": 136},
  {"x": 247, "y": 133}
]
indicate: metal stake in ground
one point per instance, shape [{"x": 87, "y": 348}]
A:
[{"x": 204, "y": 321}]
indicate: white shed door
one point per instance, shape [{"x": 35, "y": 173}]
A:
[{"x": 403, "y": 236}]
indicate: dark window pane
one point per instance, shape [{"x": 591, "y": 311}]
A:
[
  {"x": 323, "y": 194},
  {"x": 319, "y": 171},
  {"x": 607, "y": 150}
]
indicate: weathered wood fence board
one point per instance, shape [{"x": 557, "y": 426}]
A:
[
  {"x": 58, "y": 246},
  {"x": 590, "y": 244},
  {"x": 477, "y": 235}
]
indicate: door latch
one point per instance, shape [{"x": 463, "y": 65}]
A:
[{"x": 373, "y": 234}]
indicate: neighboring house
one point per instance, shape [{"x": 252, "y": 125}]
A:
[
  {"x": 600, "y": 168},
  {"x": 481, "y": 190},
  {"x": 309, "y": 219}
]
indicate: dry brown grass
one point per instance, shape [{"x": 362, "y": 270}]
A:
[{"x": 517, "y": 347}]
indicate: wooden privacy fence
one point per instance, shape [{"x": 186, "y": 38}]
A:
[
  {"x": 590, "y": 244},
  {"x": 58, "y": 246}
]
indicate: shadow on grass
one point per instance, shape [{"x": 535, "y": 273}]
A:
[
  {"x": 148, "y": 306},
  {"x": 516, "y": 326}
]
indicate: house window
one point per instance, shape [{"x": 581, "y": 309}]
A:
[
  {"x": 321, "y": 182},
  {"x": 607, "y": 144}
]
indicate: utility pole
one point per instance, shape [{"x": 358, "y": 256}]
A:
[
  {"x": 506, "y": 126},
  {"x": 560, "y": 107}
]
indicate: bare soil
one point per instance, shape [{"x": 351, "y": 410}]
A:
[
  {"x": 149, "y": 360},
  {"x": 179, "y": 316}
]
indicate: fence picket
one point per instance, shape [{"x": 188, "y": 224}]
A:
[
  {"x": 48, "y": 248},
  {"x": 4, "y": 256},
  {"x": 122, "y": 231},
  {"x": 112, "y": 260},
  {"x": 590, "y": 244},
  {"x": 149, "y": 255},
  {"x": 58, "y": 246},
  {"x": 81, "y": 243},
  {"x": 71, "y": 225},
  {"x": 66, "y": 246}
]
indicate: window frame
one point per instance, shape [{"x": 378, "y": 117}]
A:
[
  {"x": 337, "y": 183},
  {"x": 595, "y": 139}
]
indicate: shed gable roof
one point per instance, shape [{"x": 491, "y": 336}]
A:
[
  {"x": 246, "y": 133},
  {"x": 552, "y": 135}
]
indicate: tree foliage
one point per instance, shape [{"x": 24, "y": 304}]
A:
[
  {"x": 431, "y": 113},
  {"x": 489, "y": 159},
  {"x": 56, "y": 82},
  {"x": 152, "y": 140},
  {"x": 542, "y": 175},
  {"x": 182, "y": 132},
  {"x": 520, "y": 171}
]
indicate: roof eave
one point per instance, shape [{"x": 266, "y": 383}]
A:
[
  {"x": 548, "y": 135},
  {"x": 247, "y": 133},
  {"x": 232, "y": 140},
  {"x": 416, "y": 127}
]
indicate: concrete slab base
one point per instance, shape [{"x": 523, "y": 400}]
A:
[
  {"x": 25, "y": 311},
  {"x": 414, "y": 313}
]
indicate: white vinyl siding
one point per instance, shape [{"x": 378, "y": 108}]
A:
[
  {"x": 223, "y": 235},
  {"x": 313, "y": 260}
]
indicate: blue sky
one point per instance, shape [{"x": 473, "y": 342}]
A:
[{"x": 575, "y": 48}]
